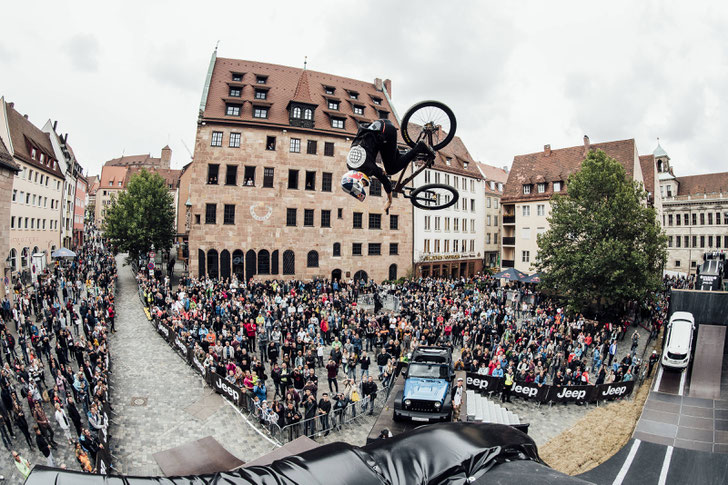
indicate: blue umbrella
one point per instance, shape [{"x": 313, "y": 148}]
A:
[
  {"x": 510, "y": 274},
  {"x": 534, "y": 278},
  {"x": 63, "y": 253}
]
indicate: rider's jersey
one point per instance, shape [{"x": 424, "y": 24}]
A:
[{"x": 377, "y": 138}]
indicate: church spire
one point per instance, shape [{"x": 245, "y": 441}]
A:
[{"x": 303, "y": 93}]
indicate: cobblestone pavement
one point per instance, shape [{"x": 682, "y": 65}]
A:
[{"x": 161, "y": 402}]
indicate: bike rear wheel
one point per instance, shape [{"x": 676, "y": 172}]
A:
[
  {"x": 429, "y": 121},
  {"x": 434, "y": 197}
]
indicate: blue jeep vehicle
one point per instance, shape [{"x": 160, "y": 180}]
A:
[{"x": 428, "y": 379}]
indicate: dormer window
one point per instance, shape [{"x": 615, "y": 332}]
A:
[
  {"x": 329, "y": 89},
  {"x": 33, "y": 153},
  {"x": 358, "y": 110},
  {"x": 42, "y": 157},
  {"x": 541, "y": 188},
  {"x": 557, "y": 186},
  {"x": 448, "y": 161},
  {"x": 232, "y": 109},
  {"x": 377, "y": 101},
  {"x": 237, "y": 77},
  {"x": 296, "y": 112},
  {"x": 465, "y": 164},
  {"x": 260, "y": 112},
  {"x": 261, "y": 79},
  {"x": 300, "y": 114},
  {"x": 492, "y": 185},
  {"x": 235, "y": 92},
  {"x": 308, "y": 114},
  {"x": 334, "y": 105},
  {"x": 500, "y": 187},
  {"x": 353, "y": 95},
  {"x": 383, "y": 114},
  {"x": 526, "y": 189},
  {"x": 261, "y": 94},
  {"x": 337, "y": 123}
]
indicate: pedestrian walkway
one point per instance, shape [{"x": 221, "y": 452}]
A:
[{"x": 161, "y": 402}]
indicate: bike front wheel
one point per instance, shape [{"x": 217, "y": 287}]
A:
[
  {"x": 429, "y": 121},
  {"x": 434, "y": 197}
]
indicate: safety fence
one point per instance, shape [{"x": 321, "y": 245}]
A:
[
  {"x": 546, "y": 394},
  {"x": 337, "y": 420}
]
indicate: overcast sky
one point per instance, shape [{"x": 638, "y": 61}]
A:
[{"x": 128, "y": 76}]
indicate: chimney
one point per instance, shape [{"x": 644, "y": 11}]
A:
[
  {"x": 505, "y": 168},
  {"x": 25, "y": 116},
  {"x": 547, "y": 150},
  {"x": 587, "y": 145},
  {"x": 55, "y": 125},
  {"x": 388, "y": 87},
  {"x": 166, "y": 157},
  {"x": 11, "y": 105},
  {"x": 378, "y": 84},
  {"x": 65, "y": 139}
]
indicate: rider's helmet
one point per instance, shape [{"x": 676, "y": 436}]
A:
[{"x": 354, "y": 183}]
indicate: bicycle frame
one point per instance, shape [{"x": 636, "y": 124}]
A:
[{"x": 400, "y": 186}]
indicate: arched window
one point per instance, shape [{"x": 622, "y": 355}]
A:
[
  {"x": 225, "y": 264},
  {"x": 337, "y": 249},
  {"x": 263, "y": 262},
  {"x": 36, "y": 250},
  {"x": 289, "y": 262},
  {"x": 308, "y": 114},
  {"x": 239, "y": 264},
  {"x": 13, "y": 259},
  {"x": 361, "y": 276},
  {"x": 296, "y": 112},
  {"x": 274, "y": 262},
  {"x": 212, "y": 269},
  {"x": 312, "y": 259},
  {"x": 24, "y": 257},
  {"x": 250, "y": 265},
  {"x": 201, "y": 263},
  {"x": 392, "y": 272}
]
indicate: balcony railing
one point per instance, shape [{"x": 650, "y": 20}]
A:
[
  {"x": 509, "y": 219},
  {"x": 507, "y": 263},
  {"x": 509, "y": 241}
]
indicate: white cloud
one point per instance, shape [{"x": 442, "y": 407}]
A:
[{"x": 83, "y": 52}]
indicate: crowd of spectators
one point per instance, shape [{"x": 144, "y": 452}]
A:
[
  {"x": 270, "y": 338},
  {"x": 55, "y": 359}
]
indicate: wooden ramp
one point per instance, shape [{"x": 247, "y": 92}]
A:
[
  {"x": 198, "y": 457},
  {"x": 707, "y": 367}
]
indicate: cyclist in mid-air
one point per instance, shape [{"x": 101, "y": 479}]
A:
[{"x": 378, "y": 137}]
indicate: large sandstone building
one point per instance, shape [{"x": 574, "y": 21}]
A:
[
  {"x": 534, "y": 178},
  {"x": 8, "y": 169},
  {"x": 262, "y": 197},
  {"x": 495, "y": 179}
]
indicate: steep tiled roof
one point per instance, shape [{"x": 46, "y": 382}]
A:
[
  {"x": 170, "y": 176},
  {"x": 111, "y": 176},
  {"x": 93, "y": 184},
  {"x": 134, "y": 161},
  {"x": 283, "y": 84},
  {"x": 493, "y": 174},
  {"x": 649, "y": 169},
  {"x": 303, "y": 92},
  {"x": 453, "y": 158},
  {"x": 708, "y": 183},
  {"x": 6, "y": 159},
  {"x": 556, "y": 165},
  {"x": 25, "y": 135}
]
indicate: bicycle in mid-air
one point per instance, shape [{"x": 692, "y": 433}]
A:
[{"x": 433, "y": 123}]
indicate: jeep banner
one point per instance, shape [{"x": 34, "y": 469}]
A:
[
  {"x": 228, "y": 390},
  {"x": 529, "y": 390},
  {"x": 482, "y": 384},
  {"x": 614, "y": 390},
  {"x": 577, "y": 394},
  {"x": 181, "y": 347}
]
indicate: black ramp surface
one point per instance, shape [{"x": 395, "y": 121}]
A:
[
  {"x": 697, "y": 467},
  {"x": 708, "y": 364},
  {"x": 670, "y": 381},
  {"x": 607, "y": 471},
  {"x": 527, "y": 473},
  {"x": 646, "y": 465},
  {"x": 707, "y": 307}
]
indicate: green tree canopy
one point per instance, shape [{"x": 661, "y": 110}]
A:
[
  {"x": 142, "y": 216},
  {"x": 604, "y": 246}
]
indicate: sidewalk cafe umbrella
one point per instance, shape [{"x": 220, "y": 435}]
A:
[
  {"x": 534, "y": 278},
  {"x": 510, "y": 274},
  {"x": 63, "y": 253}
]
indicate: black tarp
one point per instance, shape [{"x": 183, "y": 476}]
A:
[{"x": 445, "y": 453}]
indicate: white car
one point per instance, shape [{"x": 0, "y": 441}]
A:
[{"x": 679, "y": 340}]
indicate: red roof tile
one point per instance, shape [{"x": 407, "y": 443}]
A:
[
  {"x": 134, "y": 161},
  {"x": 170, "y": 176},
  {"x": 649, "y": 170},
  {"x": 111, "y": 176},
  {"x": 494, "y": 174},
  {"x": 556, "y": 165},
  {"x": 283, "y": 84},
  {"x": 708, "y": 183},
  {"x": 6, "y": 159},
  {"x": 24, "y": 136}
]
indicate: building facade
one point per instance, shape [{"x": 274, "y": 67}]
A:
[
  {"x": 79, "y": 210},
  {"x": 37, "y": 194},
  {"x": 694, "y": 215},
  {"x": 533, "y": 180},
  {"x": 262, "y": 197},
  {"x": 8, "y": 170},
  {"x": 494, "y": 182},
  {"x": 451, "y": 242}
]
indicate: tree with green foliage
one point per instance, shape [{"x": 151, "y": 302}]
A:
[
  {"x": 604, "y": 246},
  {"x": 141, "y": 217}
]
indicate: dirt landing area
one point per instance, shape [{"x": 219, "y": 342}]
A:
[{"x": 596, "y": 437}]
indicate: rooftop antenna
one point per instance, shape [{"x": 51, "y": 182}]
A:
[
  {"x": 217, "y": 44},
  {"x": 305, "y": 62},
  {"x": 185, "y": 145}
]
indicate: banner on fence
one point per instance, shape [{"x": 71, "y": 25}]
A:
[
  {"x": 561, "y": 394},
  {"x": 228, "y": 390}
]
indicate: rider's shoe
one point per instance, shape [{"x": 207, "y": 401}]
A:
[{"x": 424, "y": 152}]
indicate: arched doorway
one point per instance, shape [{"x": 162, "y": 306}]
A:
[
  {"x": 274, "y": 262},
  {"x": 238, "y": 264},
  {"x": 225, "y": 264},
  {"x": 361, "y": 275},
  {"x": 212, "y": 260},
  {"x": 336, "y": 275},
  {"x": 392, "y": 272},
  {"x": 250, "y": 265},
  {"x": 263, "y": 262},
  {"x": 289, "y": 262},
  {"x": 201, "y": 263}
]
